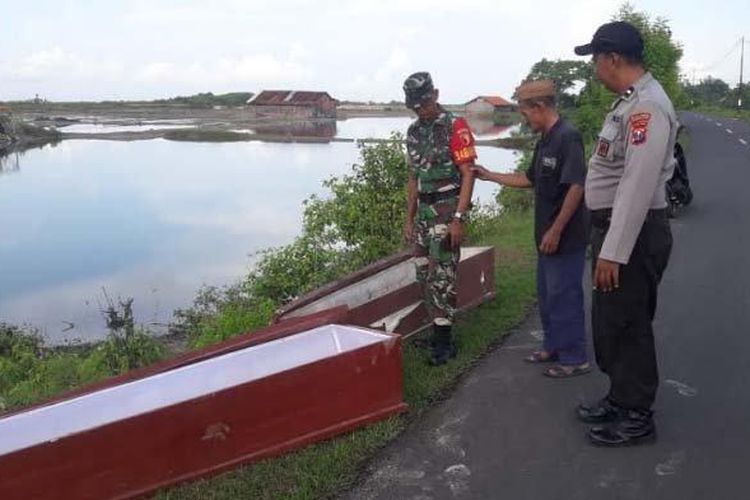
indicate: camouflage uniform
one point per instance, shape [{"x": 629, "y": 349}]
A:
[
  {"x": 435, "y": 148},
  {"x": 431, "y": 163}
]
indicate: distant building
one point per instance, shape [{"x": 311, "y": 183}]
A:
[
  {"x": 294, "y": 104},
  {"x": 488, "y": 105}
]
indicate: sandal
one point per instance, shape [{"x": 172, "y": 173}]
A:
[
  {"x": 565, "y": 371},
  {"x": 541, "y": 357}
]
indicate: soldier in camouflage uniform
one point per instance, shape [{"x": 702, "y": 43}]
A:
[{"x": 441, "y": 153}]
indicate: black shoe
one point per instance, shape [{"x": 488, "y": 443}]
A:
[
  {"x": 602, "y": 412},
  {"x": 636, "y": 427},
  {"x": 443, "y": 347},
  {"x": 441, "y": 356}
]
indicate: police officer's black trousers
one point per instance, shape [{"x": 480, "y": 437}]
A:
[{"x": 621, "y": 319}]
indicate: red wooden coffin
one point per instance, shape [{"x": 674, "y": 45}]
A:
[
  {"x": 386, "y": 295},
  {"x": 126, "y": 439}
]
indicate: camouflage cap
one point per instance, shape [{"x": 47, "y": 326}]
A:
[
  {"x": 535, "y": 89},
  {"x": 418, "y": 88}
]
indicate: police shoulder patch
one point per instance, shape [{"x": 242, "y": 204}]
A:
[
  {"x": 602, "y": 148},
  {"x": 639, "y": 128}
]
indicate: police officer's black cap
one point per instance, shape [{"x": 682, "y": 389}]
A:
[
  {"x": 418, "y": 88},
  {"x": 618, "y": 37}
]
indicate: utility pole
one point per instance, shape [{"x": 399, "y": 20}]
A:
[{"x": 742, "y": 67}]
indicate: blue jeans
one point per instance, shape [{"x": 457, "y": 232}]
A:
[{"x": 560, "y": 291}]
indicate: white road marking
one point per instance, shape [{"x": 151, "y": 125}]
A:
[
  {"x": 457, "y": 477},
  {"x": 729, "y": 132},
  {"x": 682, "y": 389},
  {"x": 744, "y": 142},
  {"x": 719, "y": 124},
  {"x": 671, "y": 466}
]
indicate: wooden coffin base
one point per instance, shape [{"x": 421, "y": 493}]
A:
[{"x": 128, "y": 439}]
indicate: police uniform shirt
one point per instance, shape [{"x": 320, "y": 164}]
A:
[
  {"x": 632, "y": 160},
  {"x": 558, "y": 162}
]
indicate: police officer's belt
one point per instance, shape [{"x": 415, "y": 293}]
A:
[
  {"x": 430, "y": 198},
  {"x": 601, "y": 218}
]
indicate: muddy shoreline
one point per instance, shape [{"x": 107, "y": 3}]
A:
[{"x": 183, "y": 123}]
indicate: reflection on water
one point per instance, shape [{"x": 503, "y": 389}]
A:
[
  {"x": 108, "y": 128},
  {"x": 372, "y": 128},
  {"x": 9, "y": 163},
  {"x": 485, "y": 129},
  {"x": 153, "y": 220},
  {"x": 324, "y": 129},
  {"x": 365, "y": 128}
]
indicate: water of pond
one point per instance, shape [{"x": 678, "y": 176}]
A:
[{"x": 155, "y": 220}]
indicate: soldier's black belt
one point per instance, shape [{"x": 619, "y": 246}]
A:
[
  {"x": 430, "y": 198},
  {"x": 601, "y": 218}
]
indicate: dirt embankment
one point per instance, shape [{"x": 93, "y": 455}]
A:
[{"x": 19, "y": 135}]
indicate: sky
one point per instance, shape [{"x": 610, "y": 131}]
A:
[{"x": 354, "y": 49}]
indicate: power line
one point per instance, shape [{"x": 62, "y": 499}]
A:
[{"x": 734, "y": 47}]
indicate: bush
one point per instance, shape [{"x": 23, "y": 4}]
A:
[
  {"x": 220, "y": 313},
  {"x": 366, "y": 210},
  {"x": 517, "y": 200},
  {"x": 662, "y": 56},
  {"x": 127, "y": 347},
  {"x": 30, "y": 372}
]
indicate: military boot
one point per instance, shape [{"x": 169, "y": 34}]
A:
[{"x": 443, "y": 346}]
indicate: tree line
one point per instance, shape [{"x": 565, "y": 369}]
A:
[{"x": 585, "y": 101}]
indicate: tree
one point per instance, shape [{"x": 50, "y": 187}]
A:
[
  {"x": 709, "y": 92},
  {"x": 662, "y": 55},
  {"x": 566, "y": 74}
]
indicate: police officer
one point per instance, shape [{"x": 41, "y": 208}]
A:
[
  {"x": 557, "y": 174},
  {"x": 631, "y": 239},
  {"x": 441, "y": 153}
]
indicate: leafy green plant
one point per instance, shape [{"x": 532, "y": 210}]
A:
[
  {"x": 517, "y": 200},
  {"x": 127, "y": 346},
  {"x": 30, "y": 371}
]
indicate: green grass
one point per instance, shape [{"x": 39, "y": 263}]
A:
[
  {"x": 325, "y": 469},
  {"x": 723, "y": 112}
]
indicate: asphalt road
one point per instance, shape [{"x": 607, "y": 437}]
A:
[{"x": 509, "y": 433}]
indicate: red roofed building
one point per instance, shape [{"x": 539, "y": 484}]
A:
[
  {"x": 487, "y": 105},
  {"x": 293, "y": 103}
]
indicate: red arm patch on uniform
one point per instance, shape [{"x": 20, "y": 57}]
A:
[
  {"x": 639, "y": 128},
  {"x": 462, "y": 143}
]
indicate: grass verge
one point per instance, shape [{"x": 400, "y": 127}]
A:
[
  {"x": 723, "y": 112},
  {"x": 325, "y": 469}
]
